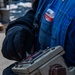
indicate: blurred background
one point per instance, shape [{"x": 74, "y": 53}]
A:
[
  {"x": 9, "y": 11},
  {"x": 12, "y": 9}
]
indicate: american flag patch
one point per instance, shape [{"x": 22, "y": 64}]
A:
[{"x": 49, "y": 15}]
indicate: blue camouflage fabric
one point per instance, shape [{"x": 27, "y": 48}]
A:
[
  {"x": 56, "y": 19},
  {"x": 60, "y": 31}
]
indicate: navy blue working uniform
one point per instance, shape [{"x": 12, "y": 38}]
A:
[{"x": 49, "y": 23}]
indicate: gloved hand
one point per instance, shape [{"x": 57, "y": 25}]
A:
[{"x": 18, "y": 40}]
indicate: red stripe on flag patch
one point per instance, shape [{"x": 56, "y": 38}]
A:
[{"x": 48, "y": 18}]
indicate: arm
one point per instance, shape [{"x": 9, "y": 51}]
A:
[
  {"x": 27, "y": 19},
  {"x": 19, "y": 36}
]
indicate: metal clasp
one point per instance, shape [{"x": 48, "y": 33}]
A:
[{"x": 62, "y": 0}]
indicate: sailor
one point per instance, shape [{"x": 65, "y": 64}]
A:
[{"x": 48, "y": 23}]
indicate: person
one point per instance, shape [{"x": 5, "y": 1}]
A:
[
  {"x": 4, "y": 11},
  {"x": 3, "y": 3},
  {"x": 48, "y": 23}
]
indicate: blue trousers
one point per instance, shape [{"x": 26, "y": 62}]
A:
[{"x": 8, "y": 71}]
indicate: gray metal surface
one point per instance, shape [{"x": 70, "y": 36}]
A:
[
  {"x": 42, "y": 63},
  {"x": 41, "y": 60}
]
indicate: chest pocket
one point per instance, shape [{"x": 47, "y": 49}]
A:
[
  {"x": 46, "y": 26},
  {"x": 60, "y": 28}
]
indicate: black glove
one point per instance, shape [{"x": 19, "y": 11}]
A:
[{"x": 18, "y": 40}]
